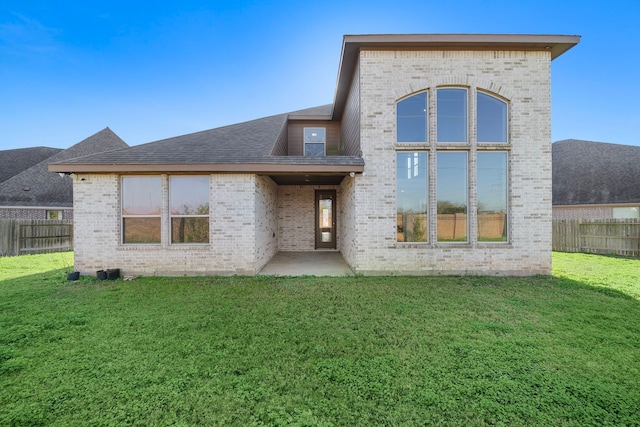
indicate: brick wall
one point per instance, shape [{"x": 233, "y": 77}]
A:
[
  {"x": 235, "y": 202},
  {"x": 266, "y": 220},
  {"x": 523, "y": 78},
  {"x": 296, "y": 216}
]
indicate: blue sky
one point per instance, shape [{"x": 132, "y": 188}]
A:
[{"x": 155, "y": 69}]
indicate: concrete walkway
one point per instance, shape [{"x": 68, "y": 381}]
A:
[{"x": 317, "y": 263}]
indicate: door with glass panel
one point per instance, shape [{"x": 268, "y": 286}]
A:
[{"x": 325, "y": 219}]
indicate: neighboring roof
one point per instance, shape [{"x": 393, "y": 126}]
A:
[
  {"x": 37, "y": 186},
  {"x": 352, "y": 44},
  {"x": 12, "y": 162},
  {"x": 242, "y": 147},
  {"x": 588, "y": 172}
]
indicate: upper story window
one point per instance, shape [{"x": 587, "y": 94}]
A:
[
  {"x": 411, "y": 116},
  {"x": 492, "y": 119},
  {"x": 141, "y": 209},
  {"x": 315, "y": 141},
  {"x": 452, "y": 115}
]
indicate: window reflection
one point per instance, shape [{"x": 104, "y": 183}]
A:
[
  {"x": 452, "y": 115},
  {"x": 492, "y": 197},
  {"x": 412, "y": 118},
  {"x": 189, "y": 203},
  {"x": 141, "y": 209},
  {"x": 492, "y": 119},
  {"x": 411, "y": 181},
  {"x": 452, "y": 196}
]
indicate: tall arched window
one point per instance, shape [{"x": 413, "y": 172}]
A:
[
  {"x": 492, "y": 119},
  {"x": 411, "y": 116},
  {"x": 458, "y": 154}
]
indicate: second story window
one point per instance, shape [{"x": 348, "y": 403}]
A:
[
  {"x": 314, "y": 141},
  {"x": 452, "y": 115},
  {"x": 412, "y": 119}
]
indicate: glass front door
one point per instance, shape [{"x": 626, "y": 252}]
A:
[{"x": 325, "y": 219}]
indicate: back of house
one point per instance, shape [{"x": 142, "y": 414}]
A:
[{"x": 434, "y": 158}]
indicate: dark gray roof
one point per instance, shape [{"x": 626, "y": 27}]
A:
[
  {"x": 245, "y": 143},
  {"x": 239, "y": 143},
  {"x": 588, "y": 172},
  {"x": 37, "y": 186},
  {"x": 12, "y": 162}
]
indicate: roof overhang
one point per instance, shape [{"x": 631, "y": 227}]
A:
[
  {"x": 353, "y": 44},
  {"x": 255, "y": 168}
]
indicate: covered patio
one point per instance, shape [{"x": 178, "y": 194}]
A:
[{"x": 316, "y": 263}]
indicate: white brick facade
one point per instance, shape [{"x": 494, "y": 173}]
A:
[
  {"x": 242, "y": 227},
  {"x": 252, "y": 218},
  {"x": 523, "y": 79}
]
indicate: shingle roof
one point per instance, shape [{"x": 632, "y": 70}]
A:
[
  {"x": 588, "y": 172},
  {"x": 248, "y": 143},
  {"x": 37, "y": 186},
  {"x": 12, "y": 162},
  {"x": 239, "y": 143}
]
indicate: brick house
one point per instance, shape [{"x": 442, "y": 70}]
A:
[
  {"x": 434, "y": 158},
  {"x": 28, "y": 190},
  {"x": 595, "y": 180}
]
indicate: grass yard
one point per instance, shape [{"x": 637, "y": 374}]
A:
[{"x": 359, "y": 351}]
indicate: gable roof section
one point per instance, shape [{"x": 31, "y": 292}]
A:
[
  {"x": 12, "y": 162},
  {"x": 242, "y": 147},
  {"x": 588, "y": 172},
  {"x": 37, "y": 186}
]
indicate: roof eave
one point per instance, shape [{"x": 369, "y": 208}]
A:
[{"x": 256, "y": 168}]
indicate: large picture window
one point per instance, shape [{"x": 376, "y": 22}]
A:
[
  {"x": 491, "y": 193},
  {"x": 141, "y": 210},
  {"x": 473, "y": 173},
  {"x": 412, "y": 178},
  {"x": 142, "y": 203},
  {"x": 189, "y": 209}
]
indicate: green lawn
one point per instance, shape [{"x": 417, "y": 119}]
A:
[{"x": 353, "y": 351}]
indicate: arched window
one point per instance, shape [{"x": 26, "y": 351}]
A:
[
  {"x": 492, "y": 119},
  {"x": 470, "y": 167},
  {"x": 411, "y": 116}
]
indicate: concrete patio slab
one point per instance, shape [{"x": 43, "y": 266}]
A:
[{"x": 317, "y": 263}]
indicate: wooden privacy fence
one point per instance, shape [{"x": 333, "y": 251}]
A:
[
  {"x": 597, "y": 236},
  {"x": 21, "y": 237}
]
